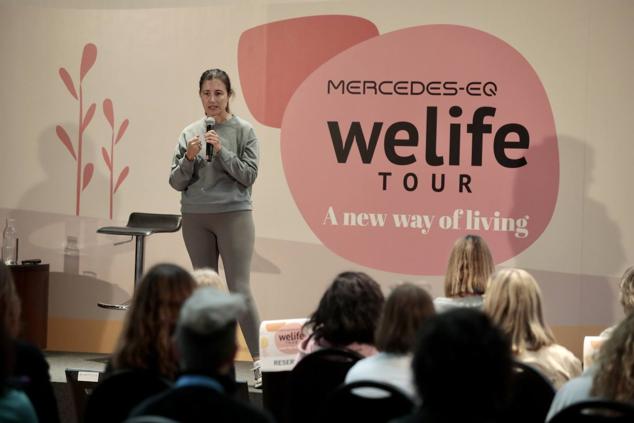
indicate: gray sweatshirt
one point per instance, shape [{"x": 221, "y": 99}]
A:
[{"x": 224, "y": 184}]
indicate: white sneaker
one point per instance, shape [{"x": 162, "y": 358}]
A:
[{"x": 257, "y": 374}]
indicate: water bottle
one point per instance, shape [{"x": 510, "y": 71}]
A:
[
  {"x": 71, "y": 256},
  {"x": 9, "y": 241}
]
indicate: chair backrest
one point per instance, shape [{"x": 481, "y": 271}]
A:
[
  {"x": 156, "y": 222},
  {"x": 149, "y": 419},
  {"x": 118, "y": 393},
  {"x": 82, "y": 383},
  {"x": 242, "y": 391},
  {"x": 531, "y": 395},
  {"x": 595, "y": 411},
  {"x": 313, "y": 378},
  {"x": 274, "y": 393},
  {"x": 349, "y": 403}
]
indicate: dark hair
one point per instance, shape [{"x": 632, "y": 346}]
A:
[
  {"x": 406, "y": 309},
  {"x": 146, "y": 339},
  {"x": 9, "y": 302},
  {"x": 7, "y": 358},
  {"x": 348, "y": 311},
  {"x": 462, "y": 365},
  {"x": 205, "y": 353},
  {"x": 220, "y": 75}
]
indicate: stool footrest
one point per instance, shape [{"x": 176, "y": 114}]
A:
[{"x": 125, "y": 230}]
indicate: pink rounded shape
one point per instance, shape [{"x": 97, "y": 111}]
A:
[
  {"x": 276, "y": 57},
  {"x": 509, "y": 206}
]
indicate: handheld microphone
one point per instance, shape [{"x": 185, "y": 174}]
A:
[{"x": 210, "y": 123}]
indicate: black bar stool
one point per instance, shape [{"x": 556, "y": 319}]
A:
[{"x": 140, "y": 225}]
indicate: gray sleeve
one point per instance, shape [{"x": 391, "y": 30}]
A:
[
  {"x": 183, "y": 172},
  {"x": 243, "y": 167},
  {"x": 574, "y": 391}
]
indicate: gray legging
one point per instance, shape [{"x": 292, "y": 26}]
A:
[{"x": 231, "y": 236}]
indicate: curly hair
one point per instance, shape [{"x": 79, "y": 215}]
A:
[
  {"x": 514, "y": 303},
  {"x": 348, "y": 311},
  {"x": 9, "y": 302},
  {"x": 406, "y": 309},
  {"x": 626, "y": 291},
  {"x": 614, "y": 378},
  {"x": 146, "y": 339},
  {"x": 470, "y": 265}
]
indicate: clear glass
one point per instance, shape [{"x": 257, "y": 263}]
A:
[
  {"x": 71, "y": 256},
  {"x": 9, "y": 241}
]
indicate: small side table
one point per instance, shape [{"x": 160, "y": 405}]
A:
[{"x": 31, "y": 283}]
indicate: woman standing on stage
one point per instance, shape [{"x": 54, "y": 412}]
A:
[{"x": 215, "y": 183}]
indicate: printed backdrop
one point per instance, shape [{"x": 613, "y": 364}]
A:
[{"x": 387, "y": 131}]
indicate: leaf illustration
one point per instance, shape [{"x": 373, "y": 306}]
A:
[
  {"x": 106, "y": 158},
  {"x": 68, "y": 81},
  {"x": 108, "y": 112},
  {"x": 88, "y": 117},
  {"x": 88, "y": 170},
  {"x": 65, "y": 139},
  {"x": 88, "y": 58},
  {"x": 121, "y": 178},
  {"x": 122, "y": 128}
]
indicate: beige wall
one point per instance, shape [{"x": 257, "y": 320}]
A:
[{"x": 149, "y": 59}]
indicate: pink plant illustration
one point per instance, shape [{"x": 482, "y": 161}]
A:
[
  {"x": 84, "y": 175},
  {"x": 108, "y": 157}
]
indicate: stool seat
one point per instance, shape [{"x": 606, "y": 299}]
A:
[
  {"x": 145, "y": 224},
  {"x": 141, "y": 225},
  {"x": 124, "y": 230}
]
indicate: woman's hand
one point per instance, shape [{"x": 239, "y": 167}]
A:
[
  {"x": 212, "y": 138},
  {"x": 193, "y": 148}
]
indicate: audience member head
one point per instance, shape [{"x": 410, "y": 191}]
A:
[
  {"x": 206, "y": 331},
  {"x": 514, "y": 303},
  {"x": 614, "y": 378},
  {"x": 9, "y": 303},
  {"x": 462, "y": 367},
  {"x": 470, "y": 265},
  {"x": 7, "y": 358},
  {"x": 348, "y": 311},
  {"x": 206, "y": 277},
  {"x": 626, "y": 291},
  {"x": 146, "y": 339},
  {"x": 405, "y": 311}
]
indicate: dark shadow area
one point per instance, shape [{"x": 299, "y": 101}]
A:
[{"x": 585, "y": 236}]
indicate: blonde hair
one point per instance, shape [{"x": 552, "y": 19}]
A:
[
  {"x": 208, "y": 277},
  {"x": 614, "y": 378},
  {"x": 514, "y": 303},
  {"x": 470, "y": 265},
  {"x": 626, "y": 293}
]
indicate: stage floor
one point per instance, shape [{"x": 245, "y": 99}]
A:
[{"x": 60, "y": 361}]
